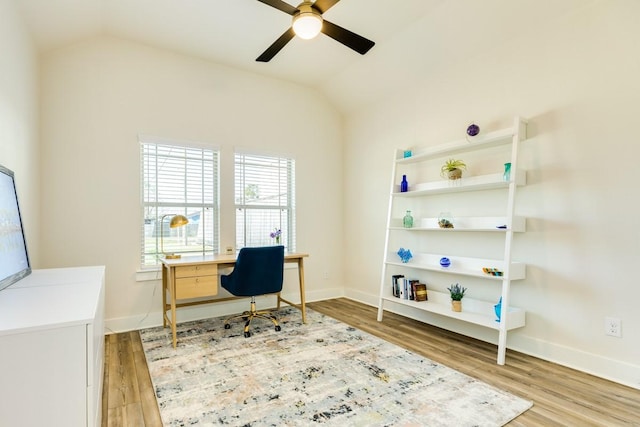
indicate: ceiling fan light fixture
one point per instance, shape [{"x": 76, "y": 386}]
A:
[{"x": 307, "y": 24}]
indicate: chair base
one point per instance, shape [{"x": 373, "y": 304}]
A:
[{"x": 248, "y": 316}]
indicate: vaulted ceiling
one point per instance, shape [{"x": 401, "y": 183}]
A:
[{"x": 411, "y": 36}]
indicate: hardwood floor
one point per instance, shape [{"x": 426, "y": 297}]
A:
[{"x": 561, "y": 396}]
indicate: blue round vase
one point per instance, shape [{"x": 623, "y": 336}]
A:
[{"x": 445, "y": 262}]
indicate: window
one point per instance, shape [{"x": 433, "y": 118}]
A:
[
  {"x": 265, "y": 200},
  {"x": 178, "y": 179}
]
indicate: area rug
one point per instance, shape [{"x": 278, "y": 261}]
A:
[{"x": 320, "y": 373}]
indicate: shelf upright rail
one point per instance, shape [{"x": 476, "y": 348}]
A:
[
  {"x": 519, "y": 134},
  {"x": 386, "y": 238}
]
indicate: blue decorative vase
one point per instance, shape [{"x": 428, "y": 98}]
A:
[
  {"x": 507, "y": 172},
  {"x": 445, "y": 262},
  {"x": 498, "y": 309}
]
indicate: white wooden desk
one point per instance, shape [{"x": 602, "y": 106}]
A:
[{"x": 197, "y": 277}]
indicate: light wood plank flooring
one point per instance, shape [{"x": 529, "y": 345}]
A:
[{"x": 561, "y": 396}]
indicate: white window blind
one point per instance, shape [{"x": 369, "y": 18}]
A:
[
  {"x": 265, "y": 200},
  {"x": 178, "y": 179}
]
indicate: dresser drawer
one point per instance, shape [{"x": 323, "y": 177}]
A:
[
  {"x": 196, "y": 270},
  {"x": 195, "y": 287}
]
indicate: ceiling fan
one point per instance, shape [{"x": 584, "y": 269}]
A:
[{"x": 308, "y": 22}]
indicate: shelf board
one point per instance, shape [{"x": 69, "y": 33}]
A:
[
  {"x": 473, "y": 183},
  {"x": 473, "y": 311},
  {"x": 459, "y": 265},
  {"x": 483, "y": 224},
  {"x": 479, "y": 142}
]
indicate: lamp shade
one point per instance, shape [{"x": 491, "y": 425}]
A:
[
  {"x": 178, "y": 221},
  {"x": 307, "y": 25}
]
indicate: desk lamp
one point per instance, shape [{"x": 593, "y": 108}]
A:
[{"x": 176, "y": 221}]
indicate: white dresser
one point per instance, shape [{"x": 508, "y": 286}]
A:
[{"x": 52, "y": 348}]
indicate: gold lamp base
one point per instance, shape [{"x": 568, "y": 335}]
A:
[{"x": 173, "y": 256}]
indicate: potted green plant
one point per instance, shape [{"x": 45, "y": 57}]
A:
[
  {"x": 457, "y": 293},
  {"x": 452, "y": 169}
]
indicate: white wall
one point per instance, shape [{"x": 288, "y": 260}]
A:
[
  {"x": 99, "y": 95},
  {"x": 19, "y": 119},
  {"x": 575, "y": 77}
]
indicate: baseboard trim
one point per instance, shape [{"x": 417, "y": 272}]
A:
[
  {"x": 197, "y": 312},
  {"x": 610, "y": 369}
]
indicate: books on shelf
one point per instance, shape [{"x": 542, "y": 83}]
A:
[{"x": 408, "y": 289}]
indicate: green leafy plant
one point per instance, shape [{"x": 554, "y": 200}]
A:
[
  {"x": 452, "y": 164},
  {"x": 457, "y": 292}
]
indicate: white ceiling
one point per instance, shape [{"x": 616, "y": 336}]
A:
[{"x": 407, "y": 33}]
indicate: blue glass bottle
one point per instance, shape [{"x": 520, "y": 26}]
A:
[{"x": 404, "y": 185}]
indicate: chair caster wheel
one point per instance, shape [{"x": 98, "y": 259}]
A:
[
  {"x": 278, "y": 328},
  {"x": 247, "y": 334},
  {"x": 227, "y": 326}
]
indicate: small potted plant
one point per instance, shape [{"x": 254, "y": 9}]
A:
[
  {"x": 457, "y": 292},
  {"x": 452, "y": 169}
]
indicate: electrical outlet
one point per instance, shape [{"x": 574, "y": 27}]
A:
[
  {"x": 229, "y": 250},
  {"x": 325, "y": 275},
  {"x": 613, "y": 326}
]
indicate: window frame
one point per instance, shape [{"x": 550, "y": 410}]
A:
[
  {"x": 207, "y": 246},
  {"x": 286, "y": 211}
]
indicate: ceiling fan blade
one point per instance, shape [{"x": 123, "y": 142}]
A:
[
  {"x": 347, "y": 38},
  {"x": 323, "y": 5},
  {"x": 280, "y": 5},
  {"x": 276, "y": 46}
]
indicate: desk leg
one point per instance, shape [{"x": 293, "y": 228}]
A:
[
  {"x": 164, "y": 296},
  {"x": 172, "y": 284},
  {"x": 301, "y": 280}
]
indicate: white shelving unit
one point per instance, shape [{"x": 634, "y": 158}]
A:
[{"x": 475, "y": 311}]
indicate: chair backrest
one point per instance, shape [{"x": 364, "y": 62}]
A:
[{"x": 257, "y": 271}]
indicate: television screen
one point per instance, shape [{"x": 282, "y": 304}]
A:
[{"x": 14, "y": 260}]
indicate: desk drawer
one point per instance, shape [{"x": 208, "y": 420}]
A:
[
  {"x": 195, "y": 287},
  {"x": 196, "y": 270}
]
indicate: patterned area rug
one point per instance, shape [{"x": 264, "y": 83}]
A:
[{"x": 324, "y": 372}]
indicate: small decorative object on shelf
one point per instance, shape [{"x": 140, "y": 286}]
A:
[
  {"x": 445, "y": 220},
  {"x": 498, "y": 309},
  {"x": 275, "y": 235},
  {"x": 407, "y": 221},
  {"x": 404, "y": 185},
  {"x": 407, "y": 153},
  {"x": 405, "y": 255},
  {"x": 421, "y": 292},
  {"x": 492, "y": 271},
  {"x": 452, "y": 169},
  {"x": 507, "y": 172},
  {"x": 457, "y": 293},
  {"x": 445, "y": 262},
  {"x": 473, "y": 129}
]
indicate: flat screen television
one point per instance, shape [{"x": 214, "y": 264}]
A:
[{"x": 14, "y": 260}]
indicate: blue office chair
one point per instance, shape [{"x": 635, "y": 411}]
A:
[{"x": 258, "y": 271}]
